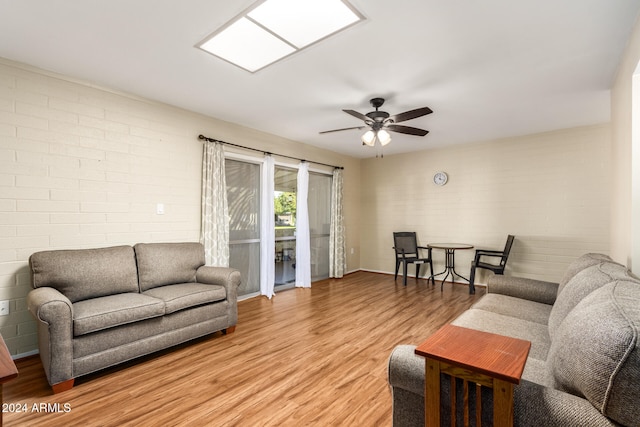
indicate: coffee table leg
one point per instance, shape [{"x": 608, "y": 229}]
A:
[
  {"x": 502, "y": 403},
  {"x": 432, "y": 393}
]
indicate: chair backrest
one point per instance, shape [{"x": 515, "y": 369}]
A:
[
  {"x": 405, "y": 242},
  {"x": 507, "y": 249}
]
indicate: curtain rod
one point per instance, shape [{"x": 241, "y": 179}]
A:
[{"x": 266, "y": 152}]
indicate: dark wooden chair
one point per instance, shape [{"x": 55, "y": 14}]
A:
[
  {"x": 407, "y": 252},
  {"x": 496, "y": 268}
]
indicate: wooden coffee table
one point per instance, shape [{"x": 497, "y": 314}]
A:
[
  {"x": 8, "y": 370},
  {"x": 477, "y": 357}
]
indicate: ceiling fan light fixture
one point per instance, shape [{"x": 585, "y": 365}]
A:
[
  {"x": 384, "y": 137},
  {"x": 369, "y": 138},
  {"x": 380, "y": 123}
]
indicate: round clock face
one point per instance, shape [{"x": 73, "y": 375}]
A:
[{"x": 440, "y": 178}]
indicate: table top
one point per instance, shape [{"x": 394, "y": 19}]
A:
[
  {"x": 494, "y": 355},
  {"x": 450, "y": 246}
]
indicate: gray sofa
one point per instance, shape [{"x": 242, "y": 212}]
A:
[
  {"x": 584, "y": 365},
  {"x": 96, "y": 308}
]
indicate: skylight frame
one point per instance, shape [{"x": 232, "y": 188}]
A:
[{"x": 359, "y": 17}]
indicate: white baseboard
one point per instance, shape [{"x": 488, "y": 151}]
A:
[
  {"x": 27, "y": 354},
  {"x": 482, "y": 285}
]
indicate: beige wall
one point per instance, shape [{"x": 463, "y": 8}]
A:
[
  {"x": 85, "y": 167},
  {"x": 623, "y": 245},
  {"x": 551, "y": 190}
]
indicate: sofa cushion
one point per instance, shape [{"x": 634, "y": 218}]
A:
[
  {"x": 581, "y": 285},
  {"x": 586, "y": 260},
  {"x": 535, "y": 371},
  {"x": 595, "y": 352},
  {"x": 114, "y": 310},
  {"x": 162, "y": 264},
  {"x": 81, "y": 274},
  {"x": 496, "y": 323},
  {"x": 186, "y": 295}
]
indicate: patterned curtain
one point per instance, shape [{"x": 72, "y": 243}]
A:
[
  {"x": 303, "y": 237},
  {"x": 267, "y": 233},
  {"x": 337, "y": 258},
  {"x": 214, "y": 233}
]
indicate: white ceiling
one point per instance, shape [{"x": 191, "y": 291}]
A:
[{"x": 488, "y": 69}]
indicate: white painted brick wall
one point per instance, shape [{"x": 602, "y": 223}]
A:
[
  {"x": 81, "y": 167},
  {"x": 84, "y": 167}
]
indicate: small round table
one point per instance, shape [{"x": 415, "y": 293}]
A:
[{"x": 449, "y": 261}]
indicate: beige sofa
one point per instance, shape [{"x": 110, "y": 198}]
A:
[
  {"x": 96, "y": 308},
  {"x": 584, "y": 365}
]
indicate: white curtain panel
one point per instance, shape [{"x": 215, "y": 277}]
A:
[
  {"x": 267, "y": 230},
  {"x": 337, "y": 252},
  {"x": 303, "y": 240},
  {"x": 214, "y": 232}
]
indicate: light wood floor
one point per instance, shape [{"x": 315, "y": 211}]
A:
[{"x": 307, "y": 357}]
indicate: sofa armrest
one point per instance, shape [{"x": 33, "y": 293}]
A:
[
  {"x": 532, "y": 402},
  {"x": 406, "y": 369},
  {"x": 218, "y": 276},
  {"x": 520, "y": 287},
  {"x": 54, "y": 316},
  {"x": 49, "y": 305},
  {"x": 222, "y": 276}
]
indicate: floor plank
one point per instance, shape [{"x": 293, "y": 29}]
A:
[{"x": 306, "y": 357}]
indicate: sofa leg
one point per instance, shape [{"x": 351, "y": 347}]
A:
[
  {"x": 63, "y": 386},
  {"x": 229, "y": 330}
]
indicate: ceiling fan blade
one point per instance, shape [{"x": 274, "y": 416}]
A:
[
  {"x": 358, "y": 115},
  {"x": 407, "y": 129},
  {"x": 412, "y": 114},
  {"x": 338, "y": 130}
]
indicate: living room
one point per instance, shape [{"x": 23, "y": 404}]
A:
[{"x": 85, "y": 165}]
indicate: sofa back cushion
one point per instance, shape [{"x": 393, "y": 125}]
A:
[
  {"x": 162, "y": 264},
  {"x": 81, "y": 274},
  {"x": 595, "y": 353},
  {"x": 585, "y": 261},
  {"x": 582, "y": 284}
]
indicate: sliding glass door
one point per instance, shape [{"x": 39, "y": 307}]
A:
[
  {"x": 243, "y": 198},
  {"x": 284, "y": 206},
  {"x": 319, "y": 221}
]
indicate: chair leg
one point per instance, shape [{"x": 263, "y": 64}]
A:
[
  {"x": 397, "y": 268},
  {"x": 404, "y": 273},
  {"x": 472, "y": 277},
  {"x": 417, "y": 271}
]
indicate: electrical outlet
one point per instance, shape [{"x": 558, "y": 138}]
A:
[{"x": 4, "y": 308}]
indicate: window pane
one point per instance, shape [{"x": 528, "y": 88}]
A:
[
  {"x": 243, "y": 198},
  {"x": 284, "y": 206},
  {"x": 319, "y": 222},
  {"x": 245, "y": 257}
]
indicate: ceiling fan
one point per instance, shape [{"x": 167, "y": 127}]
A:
[{"x": 380, "y": 122}]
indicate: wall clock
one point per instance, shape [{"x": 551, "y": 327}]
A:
[{"x": 440, "y": 178}]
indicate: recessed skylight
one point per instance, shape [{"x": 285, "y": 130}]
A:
[
  {"x": 247, "y": 45},
  {"x": 273, "y": 29}
]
